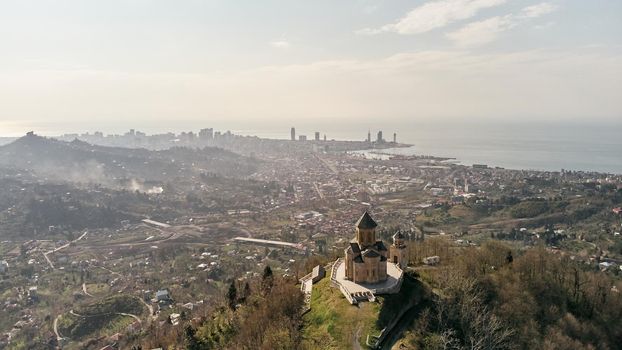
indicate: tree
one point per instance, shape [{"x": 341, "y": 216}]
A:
[
  {"x": 232, "y": 295},
  {"x": 509, "y": 257},
  {"x": 267, "y": 279},
  {"x": 246, "y": 292},
  {"x": 191, "y": 341}
]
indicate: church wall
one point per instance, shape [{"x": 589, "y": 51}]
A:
[
  {"x": 360, "y": 272},
  {"x": 382, "y": 271}
]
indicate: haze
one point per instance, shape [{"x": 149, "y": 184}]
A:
[{"x": 104, "y": 64}]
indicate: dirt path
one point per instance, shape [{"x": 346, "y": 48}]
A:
[
  {"x": 85, "y": 291},
  {"x": 356, "y": 345},
  {"x": 151, "y": 317},
  {"x": 113, "y": 313},
  {"x": 59, "y": 337}
]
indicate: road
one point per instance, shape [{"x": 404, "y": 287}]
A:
[
  {"x": 61, "y": 247},
  {"x": 517, "y": 221}
]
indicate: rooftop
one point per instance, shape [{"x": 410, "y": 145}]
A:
[{"x": 366, "y": 222}]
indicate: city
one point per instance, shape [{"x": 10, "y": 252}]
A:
[{"x": 184, "y": 230}]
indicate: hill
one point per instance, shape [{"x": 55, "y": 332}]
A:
[
  {"x": 80, "y": 162},
  {"x": 103, "y": 317}
]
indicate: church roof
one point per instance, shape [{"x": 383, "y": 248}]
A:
[
  {"x": 380, "y": 246},
  {"x": 366, "y": 222},
  {"x": 370, "y": 253},
  {"x": 355, "y": 247}
]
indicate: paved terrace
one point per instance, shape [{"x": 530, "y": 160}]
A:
[{"x": 364, "y": 291}]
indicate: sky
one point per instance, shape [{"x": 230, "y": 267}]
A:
[{"x": 110, "y": 65}]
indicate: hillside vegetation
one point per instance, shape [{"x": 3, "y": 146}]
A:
[
  {"x": 100, "y": 317},
  {"x": 539, "y": 300}
]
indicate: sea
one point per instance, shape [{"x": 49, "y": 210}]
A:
[
  {"x": 549, "y": 146},
  {"x": 535, "y": 146}
]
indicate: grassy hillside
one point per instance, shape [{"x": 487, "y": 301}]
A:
[
  {"x": 333, "y": 323},
  {"x": 102, "y": 317}
]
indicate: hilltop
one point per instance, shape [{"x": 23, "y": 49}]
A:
[{"x": 81, "y": 162}]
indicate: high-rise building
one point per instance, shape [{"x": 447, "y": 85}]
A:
[
  {"x": 394, "y": 137},
  {"x": 293, "y": 134},
  {"x": 206, "y": 134},
  {"x": 302, "y": 138},
  {"x": 317, "y": 136},
  {"x": 369, "y": 136},
  {"x": 379, "y": 138},
  {"x": 324, "y": 137}
]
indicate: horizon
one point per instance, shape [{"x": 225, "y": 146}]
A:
[{"x": 52, "y": 129}]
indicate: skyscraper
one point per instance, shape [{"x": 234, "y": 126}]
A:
[
  {"x": 379, "y": 138},
  {"x": 394, "y": 137},
  {"x": 369, "y": 136},
  {"x": 206, "y": 134},
  {"x": 317, "y": 136},
  {"x": 293, "y": 133}
]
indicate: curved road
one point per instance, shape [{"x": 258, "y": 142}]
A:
[{"x": 61, "y": 247}]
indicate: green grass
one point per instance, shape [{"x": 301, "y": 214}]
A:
[{"x": 332, "y": 322}]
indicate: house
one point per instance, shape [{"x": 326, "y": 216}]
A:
[
  {"x": 431, "y": 260},
  {"x": 605, "y": 265},
  {"x": 163, "y": 296},
  {"x": 617, "y": 211},
  {"x": 32, "y": 292},
  {"x": 175, "y": 319},
  {"x": 4, "y": 266}
]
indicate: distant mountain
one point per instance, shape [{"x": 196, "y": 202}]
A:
[{"x": 78, "y": 161}]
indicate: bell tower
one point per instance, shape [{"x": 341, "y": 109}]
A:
[{"x": 397, "y": 251}]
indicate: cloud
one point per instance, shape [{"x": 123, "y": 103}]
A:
[
  {"x": 538, "y": 10},
  {"x": 488, "y": 30},
  {"x": 280, "y": 44},
  {"x": 434, "y": 14},
  {"x": 482, "y": 32}
]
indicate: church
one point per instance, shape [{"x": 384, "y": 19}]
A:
[{"x": 366, "y": 258}]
